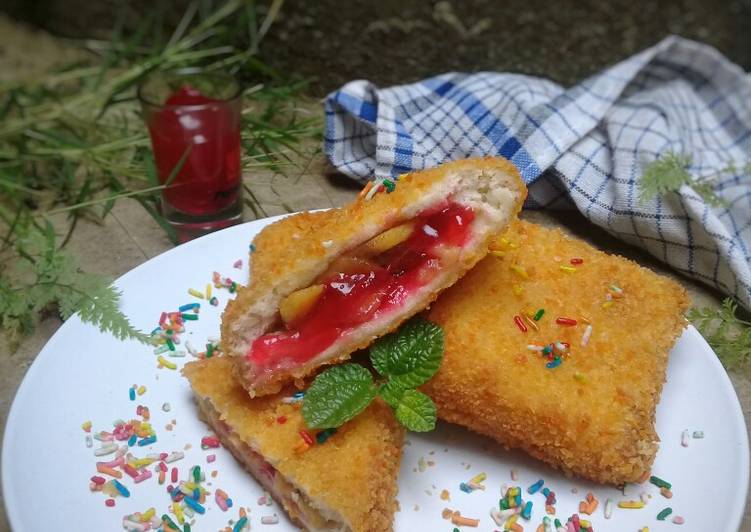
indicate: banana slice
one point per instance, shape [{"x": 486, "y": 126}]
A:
[
  {"x": 348, "y": 264},
  {"x": 299, "y": 303},
  {"x": 388, "y": 239}
]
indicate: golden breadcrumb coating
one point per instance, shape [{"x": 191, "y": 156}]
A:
[
  {"x": 297, "y": 227},
  {"x": 594, "y": 414},
  {"x": 286, "y": 246},
  {"x": 354, "y": 472},
  {"x": 291, "y": 253}
]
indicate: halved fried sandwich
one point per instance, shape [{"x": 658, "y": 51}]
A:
[
  {"x": 326, "y": 284},
  {"x": 347, "y": 483},
  {"x": 559, "y": 349}
]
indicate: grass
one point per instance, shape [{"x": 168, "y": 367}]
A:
[{"x": 72, "y": 143}]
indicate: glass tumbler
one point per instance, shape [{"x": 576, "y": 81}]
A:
[{"x": 194, "y": 118}]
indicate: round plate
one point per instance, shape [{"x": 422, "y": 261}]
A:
[{"x": 82, "y": 374}]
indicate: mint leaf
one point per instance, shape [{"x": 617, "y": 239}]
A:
[
  {"x": 410, "y": 356},
  {"x": 392, "y": 393},
  {"x": 416, "y": 411},
  {"x": 337, "y": 395}
]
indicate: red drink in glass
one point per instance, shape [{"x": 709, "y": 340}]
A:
[{"x": 194, "y": 123}]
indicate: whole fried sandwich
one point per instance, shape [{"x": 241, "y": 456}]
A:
[{"x": 560, "y": 350}]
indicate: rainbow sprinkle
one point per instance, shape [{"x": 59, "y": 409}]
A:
[
  {"x": 657, "y": 481},
  {"x": 531, "y": 322},
  {"x": 242, "y": 524},
  {"x": 224, "y": 282},
  {"x": 587, "y": 334},
  {"x": 534, "y": 488},
  {"x": 210, "y": 442},
  {"x": 664, "y": 514},
  {"x": 589, "y": 505},
  {"x": 631, "y": 505},
  {"x": 195, "y": 293},
  {"x": 520, "y": 271},
  {"x": 166, "y": 363},
  {"x": 294, "y": 398},
  {"x": 512, "y": 504},
  {"x": 270, "y": 519},
  {"x": 553, "y": 352},
  {"x": 475, "y": 483},
  {"x": 186, "y": 498}
]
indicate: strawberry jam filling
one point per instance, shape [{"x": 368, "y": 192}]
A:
[{"x": 351, "y": 298}]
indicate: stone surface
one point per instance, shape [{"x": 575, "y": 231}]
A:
[{"x": 394, "y": 41}]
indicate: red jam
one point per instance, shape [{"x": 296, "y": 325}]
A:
[
  {"x": 350, "y": 299},
  {"x": 209, "y": 179}
]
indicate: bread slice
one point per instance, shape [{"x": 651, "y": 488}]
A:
[
  {"x": 593, "y": 415},
  {"x": 346, "y": 484},
  {"x": 306, "y": 250}
]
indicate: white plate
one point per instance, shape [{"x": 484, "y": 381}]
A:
[{"x": 82, "y": 374}]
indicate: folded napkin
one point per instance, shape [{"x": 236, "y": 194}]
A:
[{"x": 584, "y": 147}]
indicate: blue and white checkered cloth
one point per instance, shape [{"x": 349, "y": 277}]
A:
[{"x": 583, "y": 147}]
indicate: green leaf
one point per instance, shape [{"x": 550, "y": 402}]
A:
[
  {"x": 150, "y": 170},
  {"x": 729, "y": 335},
  {"x": 100, "y": 306},
  {"x": 392, "y": 393},
  {"x": 176, "y": 169},
  {"x": 670, "y": 172},
  {"x": 706, "y": 192},
  {"x": 416, "y": 411},
  {"x": 57, "y": 279},
  {"x": 410, "y": 356},
  {"x": 338, "y": 395},
  {"x": 666, "y": 174}
]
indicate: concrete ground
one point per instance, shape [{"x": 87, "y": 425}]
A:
[{"x": 129, "y": 236}]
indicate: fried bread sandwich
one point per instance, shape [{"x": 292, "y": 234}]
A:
[
  {"x": 340, "y": 482},
  {"x": 560, "y": 350},
  {"x": 325, "y": 284}
]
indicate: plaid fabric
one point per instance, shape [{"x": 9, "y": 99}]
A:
[{"x": 583, "y": 147}]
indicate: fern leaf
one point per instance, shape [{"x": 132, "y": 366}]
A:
[
  {"x": 100, "y": 306},
  {"x": 670, "y": 172},
  {"x": 665, "y": 174},
  {"x": 53, "y": 278},
  {"x": 729, "y": 336}
]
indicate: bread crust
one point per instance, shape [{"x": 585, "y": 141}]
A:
[
  {"x": 291, "y": 253},
  {"x": 592, "y": 416},
  {"x": 353, "y": 473}
]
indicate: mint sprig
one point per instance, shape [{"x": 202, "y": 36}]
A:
[
  {"x": 405, "y": 359},
  {"x": 337, "y": 395},
  {"x": 416, "y": 411},
  {"x": 411, "y": 356}
]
